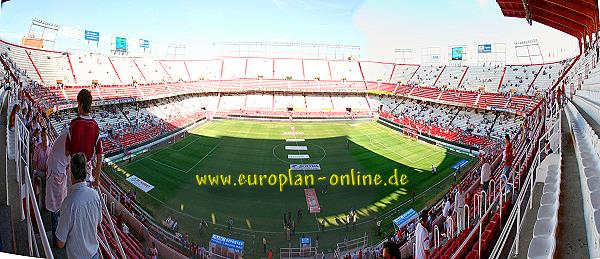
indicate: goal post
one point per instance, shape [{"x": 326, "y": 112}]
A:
[{"x": 411, "y": 133}]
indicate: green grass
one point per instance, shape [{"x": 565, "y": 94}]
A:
[{"x": 233, "y": 147}]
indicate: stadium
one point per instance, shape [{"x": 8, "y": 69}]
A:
[{"x": 121, "y": 146}]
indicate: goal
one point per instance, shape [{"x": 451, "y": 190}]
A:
[{"x": 410, "y": 133}]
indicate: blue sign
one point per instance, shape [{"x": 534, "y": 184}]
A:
[
  {"x": 461, "y": 163},
  {"x": 457, "y": 53},
  {"x": 484, "y": 48},
  {"x": 92, "y": 35},
  {"x": 236, "y": 245},
  {"x": 144, "y": 43},
  {"x": 304, "y": 241},
  {"x": 406, "y": 217},
  {"x": 121, "y": 43}
]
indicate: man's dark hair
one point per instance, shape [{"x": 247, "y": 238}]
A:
[
  {"x": 84, "y": 97},
  {"x": 507, "y": 137},
  {"x": 424, "y": 215},
  {"x": 393, "y": 249},
  {"x": 78, "y": 166}
]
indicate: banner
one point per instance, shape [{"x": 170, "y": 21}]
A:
[
  {"x": 296, "y": 148},
  {"x": 92, "y": 35},
  {"x": 234, "y": 245},
  {"x": 305, "y": 242},
  {"x": 305, "y": 167},
  {"x": 484, "y": 48},
  {"x": 311, "y": 201},
  {"x": 405, "y": 218},
  {"x": 139, "y": 183},
  {"x": 298, "y": 156},
  {"x": 460, "y": 164}
]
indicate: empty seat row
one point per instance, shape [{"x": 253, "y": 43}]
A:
[
  {"x": 543, "y": 244},
  {"x": 587, "y": 150}
]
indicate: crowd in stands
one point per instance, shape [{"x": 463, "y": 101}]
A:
[
  {"x": 469, "y": 126},
  {"x": 125, "y": 125},
  {"x": 66, "y": 178},
  {"x": 450, "y": 221}
]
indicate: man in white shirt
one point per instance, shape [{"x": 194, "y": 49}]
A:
[
  {"x": 422, "y": 237},
  {"x": 447, "y": 206},
  {"x": 486, "y": 172},
  {"x": 80, "y": 214},
  {"x": 56, "y": 179},
  {"x": 459, "y": 206}
]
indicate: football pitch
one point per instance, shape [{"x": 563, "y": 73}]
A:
[{"x": 253, "y": 149}]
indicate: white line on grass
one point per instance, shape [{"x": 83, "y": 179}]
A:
[
  {"x": 172, "y": 167},
  {"x": 209, "y": 152},
  {"x": 427, "y": 156},
  {"x": 386, "y": 147},
  {"x": 181, "y": 148}
]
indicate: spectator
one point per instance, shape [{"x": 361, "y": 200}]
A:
[
  {"x": 84, "y": 136},
  {"x": 11, "y": 131},
  {"x": 40, "y": 155},
  {"x": 390, "y": 250},
  {"x": 459, "y": 206},
  {"x": 125, "y": 228},
  {"x": 81, "y": 214},
  {"x": 422, "y": 237},
  {"x": 56, "y": 180},
  {"x": 507, "y": 158},
  {"x": 153, "y": 251},
  {"x": 486, "y": 172}
]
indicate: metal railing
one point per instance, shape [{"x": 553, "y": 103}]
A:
[
  {"x": 517, "y": 215},
  {"x": 111, "y": 223},
  {"x": 26, "y": 193}
]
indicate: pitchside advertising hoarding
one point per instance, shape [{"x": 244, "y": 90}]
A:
[
  {"x": 484, "y": 48},
  {"x": 92, "y": 35},
  {"x": 121, "y": 43},
  {"x": 457, "y": 53},
  {"x": 406, "y": 217}
]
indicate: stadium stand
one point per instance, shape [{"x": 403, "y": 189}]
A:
[
  {"x": 486, "y": 77},
  {"x": 154, "y": 98}
]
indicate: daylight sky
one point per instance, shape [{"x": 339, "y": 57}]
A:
[{"x": 377, "y": 26}]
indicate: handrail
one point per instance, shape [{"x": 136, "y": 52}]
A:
[
  {"x": 111, "y": 224},
  {"x": 38, "y": 218},
  {"x": 21, "y": 145},
  {"x": 515, "y": 217},
  {"x": 500, "y": 201}
]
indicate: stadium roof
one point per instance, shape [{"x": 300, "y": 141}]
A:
[{"x": 578, "y": 18}]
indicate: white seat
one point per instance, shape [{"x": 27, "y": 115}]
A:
[
  {"x": 550, "y": 188},
  {"x": 553, "y": 171},
  {"x": 591, "y": 172},
  {"x": 548, "y": 199},
  {"x": 593, "y": 183},
  {"x": 547, "y": 212},
  {"x": 541, "y": 248},
  {"x": 552, "y": 178},
  {"x": 589, "y": 161},
  {"x": 545, "y": 227}
]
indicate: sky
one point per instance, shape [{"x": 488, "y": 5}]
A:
[{"x": 377, "y": 26}]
